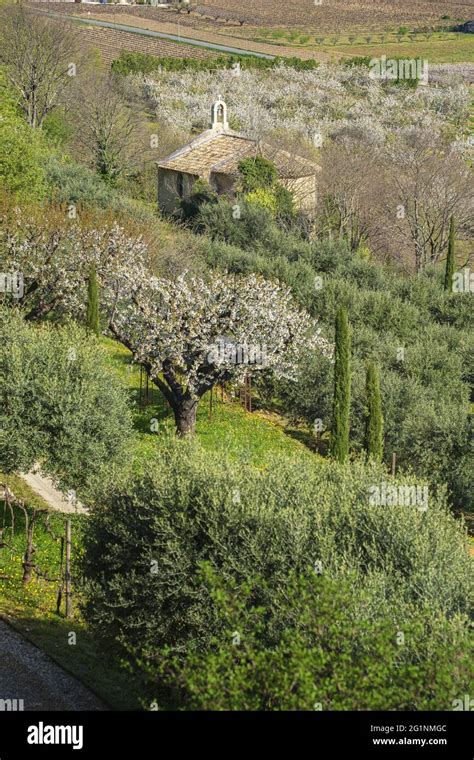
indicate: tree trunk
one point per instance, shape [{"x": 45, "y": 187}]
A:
[
  {"x": 67, "y": 576},
  {"x": 185, "y": 415}
]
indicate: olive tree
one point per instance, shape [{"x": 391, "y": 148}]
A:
[{"x": 61, "y": 406}]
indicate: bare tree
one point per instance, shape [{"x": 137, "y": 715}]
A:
[
  {"x": 427, "y": 184},
  {"x": 110, "y": 134},
  {"x": 40, "y": 56},
  {"x": 397, "y": 197},
  {"x": 349, "y": 191}
]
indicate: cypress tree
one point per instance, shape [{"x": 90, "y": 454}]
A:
[
  {"x": 374, "y": 418},
  {"x": 450, "y": 259},
  {"x": 342, "y": 388},
  {"x": 92, "y": 318}
]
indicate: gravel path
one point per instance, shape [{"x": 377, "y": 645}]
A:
[
  {"x": 29, "y": 674},
  {"x": 44, "y": 487}
]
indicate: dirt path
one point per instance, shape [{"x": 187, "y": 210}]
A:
[
  {"x": 45, "y": 488},
  {"x": 28, "y": 674}
]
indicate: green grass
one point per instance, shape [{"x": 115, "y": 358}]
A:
[
  {"x": 252, "y": 438},
  {"x": 450, "y": 48},
  {"x": 437, "y": 47}
]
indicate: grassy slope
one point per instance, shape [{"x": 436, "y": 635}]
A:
[
  {"x": 31, "y": 608},
  {"x": 453, "y": 48},
  {"x": 437, "y": 47}
]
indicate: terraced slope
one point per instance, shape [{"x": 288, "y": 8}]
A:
[{"x": 110, "y": 42}]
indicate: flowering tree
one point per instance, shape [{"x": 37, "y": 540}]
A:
[
  {"x": 324, "y": 102},
  {"x": 192, "y": 333},
  {"x": 55, "y": 255},
  {"x": 189, "y": 333}
]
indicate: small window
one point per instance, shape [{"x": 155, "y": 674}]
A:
[{"x": 180, "y": 185}]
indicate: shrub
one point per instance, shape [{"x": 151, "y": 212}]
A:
[
  {"x": 143, "y": 63},
  {"x": 145, "y": 544},
  {"x": 262, "y": 198},
  {"x": 61, "y": 404},
  {"x": 57, "y": 127},
  {"x": 325, "y": 659},
  {"x": 236, "y": 222},
  {"x": 73, "y": 183},
  {"x": 22, "y": 152},
  {"x": 285, "y": 205},
  {"x": 256, "y": 173}
]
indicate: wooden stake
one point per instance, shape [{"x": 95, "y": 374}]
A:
[
  {"x": 68, "y": 570},
  {"x": 28, "y": 560},
  {"x": 60, "y": 589},
  {"x": 394, "y": 463}
]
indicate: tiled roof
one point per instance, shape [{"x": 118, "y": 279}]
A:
[{"x": 221, "y": 152}]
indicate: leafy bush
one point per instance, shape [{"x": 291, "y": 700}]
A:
[
  {"x": 325, "y": 659},
  {"x": 61, "y": 404},
  {"x": 256, "y": 173},
  {"x": 22, "y": 152},
  {"x": 143, "y": 63},
  {"x": 260, "y": 187},
  {"x": 73, "y": 183},
  {"x": 57, "y": 127},
  {"x": 263, "y": 198},
  {"x": 237, "y": 222},
  {"x": 146, "y": 542}
]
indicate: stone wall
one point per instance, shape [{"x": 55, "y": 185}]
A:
[{"x": 168, "y": 197}]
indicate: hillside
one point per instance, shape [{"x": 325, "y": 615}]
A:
[
  {"x": 237, "y": 401},
  {"x": 425, "y": 30}
]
